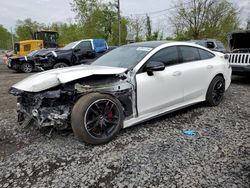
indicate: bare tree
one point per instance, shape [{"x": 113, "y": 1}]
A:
[
  {"x": 136, "y": 26},
  {"x": 197, "y": 18}
]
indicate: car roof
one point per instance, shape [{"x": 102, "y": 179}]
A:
[
  {"x": 155, "y": 44},
  {"x": 204, "y": 40},
  {"x": 149, "y": 44}
]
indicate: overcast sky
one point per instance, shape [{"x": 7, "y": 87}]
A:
[{"x": 48, "y": 11}]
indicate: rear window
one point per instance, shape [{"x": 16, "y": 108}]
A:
[
  {"x": 205, "y": 54},
  {"x": 189, "y": 53}
]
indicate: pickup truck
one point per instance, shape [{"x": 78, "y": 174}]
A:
[
  {"x": 78, "y": 52},
  {"x": 239, "y": 56}
]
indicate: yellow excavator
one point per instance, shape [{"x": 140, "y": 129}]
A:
[{"x": 41, "y": 39}]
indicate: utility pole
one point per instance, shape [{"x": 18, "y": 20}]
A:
[
  {"x": 12, "y": 38},
  {"x": 119, "y": 21}
]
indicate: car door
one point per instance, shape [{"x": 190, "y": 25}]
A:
[
  {"x": 197, "y": 71},
  {"x": 162, "y": 89},
  {"x": 83, "y": 50}
]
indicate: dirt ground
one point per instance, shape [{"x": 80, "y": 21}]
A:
[{"x": 155, "y": 154}]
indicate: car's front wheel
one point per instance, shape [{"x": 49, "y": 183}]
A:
[
  {"x": 60, "y": 65},
  {"x": 215, "y": 91},
  {"x": 27, "y": 68},
  {"x": 97, "y": 118}
]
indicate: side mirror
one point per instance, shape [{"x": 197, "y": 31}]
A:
[
  {"x": 77, "y": 50},
  {"x": 155, "y": 66}
]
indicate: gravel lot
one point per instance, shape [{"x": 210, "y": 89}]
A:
[{"x": 153, "y": 154}]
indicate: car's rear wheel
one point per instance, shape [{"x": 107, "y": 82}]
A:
[
  {"x": 60, "y": 65},
  {"x": 97, "y": 118},
  {"x": 216, "y": 91},
  {"x": 26, "y": 67}
]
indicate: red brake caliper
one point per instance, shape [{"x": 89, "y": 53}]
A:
[{"x": 110, "y": 115}]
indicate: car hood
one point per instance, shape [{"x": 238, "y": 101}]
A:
[
  {"x": 239, "y": 40},
  {"x": 48, "y": 79},
  {"x": 14, "y": 58}
]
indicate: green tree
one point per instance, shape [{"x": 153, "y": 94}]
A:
[
  {"x": 98, "y": 19},
  {"x": 5, "y": 38},
  {"x": 156, "y": 35},
  {"x": 114, "y": 38},
  {"x": 84, "y": 8},
  {"x": 25, "y": 28},
  {"x": 67, "y": 32}
]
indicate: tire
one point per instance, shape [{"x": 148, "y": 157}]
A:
[
  {"x": 215, "y": 91},
  {"x": 27, "y": 68},
  {"x": 60, "y": 65},
  {"x": 97, "y": 118}
]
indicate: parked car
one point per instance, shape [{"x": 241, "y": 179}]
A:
[
  {"x": 126, "y": 86},
  {"x": 27, "y": 63},
  {"x": 75, "y": 53},
  {"x": 239, "y": 55},
  {"x": 211, "y": 44}
]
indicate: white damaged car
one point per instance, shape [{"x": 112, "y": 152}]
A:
[{"x": 128, "y": 85}]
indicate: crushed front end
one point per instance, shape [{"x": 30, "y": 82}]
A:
[
  {"x": 53, "y": 107},
  {"x": 47, "y": 108}
]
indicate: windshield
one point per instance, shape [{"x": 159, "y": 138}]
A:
[
  {"x": 70, "y": 45},
  {"x": 124, "y": 57},
  {"x": 17, "y": 47}
]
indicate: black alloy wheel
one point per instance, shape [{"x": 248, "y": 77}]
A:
[
  {"x": 27, "y": 67},
  {"x": 60, "y": 65},
  {"x": 101, "y": 118},
  {"x": 216, "y": 91},
  {"x": 97, "y": 118}
]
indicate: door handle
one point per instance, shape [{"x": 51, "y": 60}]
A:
[
  {"x": 177, "y": 73},
  {"x": 210, "y": 67}
]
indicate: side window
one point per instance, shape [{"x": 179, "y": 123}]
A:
[
  {"x": 210, "y": 45},
  {"x": 168, "y": 56},
  {"x": 189, "y": 54},
  {"x": 86, "y": 45},
  {"x": 27, "y": 47},
  {"x": 205, "y": 54}
]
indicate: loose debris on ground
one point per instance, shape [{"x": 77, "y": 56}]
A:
[{"x": 152, "y": 154}]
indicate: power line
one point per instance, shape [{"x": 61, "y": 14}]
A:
[{"x": 160, "y": 11}]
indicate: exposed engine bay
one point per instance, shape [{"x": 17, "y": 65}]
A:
[{"x": 53, "y": 106}]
